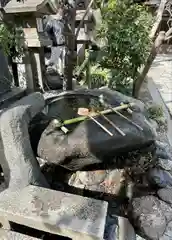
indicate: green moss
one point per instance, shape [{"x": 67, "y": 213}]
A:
[{"x": 155, "y": 112}]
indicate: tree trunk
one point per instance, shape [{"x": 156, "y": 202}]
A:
[{"x": 158, "y": 41}]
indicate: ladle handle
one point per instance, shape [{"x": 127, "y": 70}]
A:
[
  {"x": 114, "y": 125},
  {"x": 100, "y": 125}
]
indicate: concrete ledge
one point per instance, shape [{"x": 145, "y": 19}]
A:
[
  {"x": 56, "y": 212},
  {"x": 10, "y": 235}
]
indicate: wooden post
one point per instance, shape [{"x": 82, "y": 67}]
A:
[
  {"x": 37, "y": 68},
  {"x": 70, "y": 42},
  {"x": 29, "y": 76}
]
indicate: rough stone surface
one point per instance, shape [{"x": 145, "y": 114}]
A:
[
  {"x": 165, "y": 164},
  {"x": 150, "y": 216},
  {"x": 166, "y": 209},
  {"x": 163, "y": 150},
  {"x": 168, "y": 232},
  {"x": 10, "y": 235},
  {"x": 165, "y": 194},
  {"x": 104, "y": 181},
  {"x": 92, "y": 177},
  {"x": 161, "y": 145},
  {"x": 56, "y": 212},
  {"x": 21, "y": 167},
  {"x": 162, "y": 154},
  {"x": 159, "y": 177}
]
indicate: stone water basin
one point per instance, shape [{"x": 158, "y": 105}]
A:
[{"x": 86, "y": 143}]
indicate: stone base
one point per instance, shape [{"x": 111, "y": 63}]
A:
[
  {"x": 56, "y": 212},
  {"x": 10, "y": 235}
]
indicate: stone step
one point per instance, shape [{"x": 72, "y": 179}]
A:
[
  {"x": 10, "y": 235},
  {"x": 55, "y": 212}
]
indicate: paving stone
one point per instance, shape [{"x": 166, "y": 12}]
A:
[
  {"x": 10, "y": 235},
  {"x": 161, "y": 74},
  {"x": 148, "y": 216},
  {"x": 56, "y": 212}
]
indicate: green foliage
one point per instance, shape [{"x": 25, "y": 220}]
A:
[
  {"x": 155, "y": 112},
  {"x": 10, "y": 39},
  {"x": 125, "y": 35},
  {"x": 98, "y": 77}
]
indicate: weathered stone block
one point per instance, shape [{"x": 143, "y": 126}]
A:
[
  {"x": 56, "y": 212},
  {"x": 20, "y": 165}
]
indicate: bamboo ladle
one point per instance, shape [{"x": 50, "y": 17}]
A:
[{"x": 85, "y": 112}]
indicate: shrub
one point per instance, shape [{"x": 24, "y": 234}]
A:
[{"x": 125, "y": 35}]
